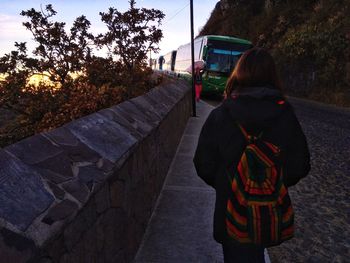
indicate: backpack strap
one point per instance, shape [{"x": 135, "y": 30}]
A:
[
  {"x": 247, "y": 136},
  {"x": 244, "y": 132}
]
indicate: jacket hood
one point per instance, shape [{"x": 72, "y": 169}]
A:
[{"x": 256, "y": 105}]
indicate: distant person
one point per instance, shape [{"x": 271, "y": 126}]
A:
[
  {"x": 161, "y": 61},
  {"x": 250, "y": 150},
  {"x": 198, "y": 83}
]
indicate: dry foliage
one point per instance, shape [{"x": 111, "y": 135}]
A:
[{"x": 99, "y": 82}]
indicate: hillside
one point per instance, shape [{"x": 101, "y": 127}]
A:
[{"x": 309, "y": 40}]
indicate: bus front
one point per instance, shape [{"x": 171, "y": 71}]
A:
[{"x": 221, "y": 55}]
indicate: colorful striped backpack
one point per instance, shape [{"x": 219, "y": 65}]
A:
[{"x": 259, "y": 209}]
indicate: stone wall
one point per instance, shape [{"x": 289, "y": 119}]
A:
[{"x": 84, "y": 192}]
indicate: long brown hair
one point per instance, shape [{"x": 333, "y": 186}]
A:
[{"x": 255, "y": 68}]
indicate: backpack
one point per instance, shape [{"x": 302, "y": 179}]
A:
[{"x": 259, "y": 209}]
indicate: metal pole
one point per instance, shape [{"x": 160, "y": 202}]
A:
[{"x": 192, "y": 57}]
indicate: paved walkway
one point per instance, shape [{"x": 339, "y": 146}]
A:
[{"x": 180, "y": 229}]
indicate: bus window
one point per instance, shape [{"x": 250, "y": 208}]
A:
[{"x": 222, "y": 60}]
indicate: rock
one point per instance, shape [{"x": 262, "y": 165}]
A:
[{"x": 60, "y": 211}]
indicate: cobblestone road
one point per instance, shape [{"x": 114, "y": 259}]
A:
[{"x": 322, "y": 200}]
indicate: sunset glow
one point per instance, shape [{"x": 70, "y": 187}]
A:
[{"x": 175, "y": 27}]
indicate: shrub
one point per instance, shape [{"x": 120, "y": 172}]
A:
[{"x": 80, "y": 83}]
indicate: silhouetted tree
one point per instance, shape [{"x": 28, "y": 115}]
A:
[
  {"x": 132, "y": 34},
  {"x": 58, "y": 52}
]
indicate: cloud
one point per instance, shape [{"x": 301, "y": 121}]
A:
[
  {"x": 11, "y": 27},
  {"x": 12, "y": 30}
]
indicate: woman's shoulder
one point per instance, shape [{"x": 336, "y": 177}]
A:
[
  {"x": 220, "y": 121},
  {"x": 227, "y": 111},
  {"x": 218, "y": 114}
]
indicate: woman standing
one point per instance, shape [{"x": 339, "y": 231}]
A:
[
  {"x": 254, "y": 104},
  {"x": 198, "y": 82}
]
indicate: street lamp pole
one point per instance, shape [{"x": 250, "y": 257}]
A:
[{"x": 192, "y": 57}]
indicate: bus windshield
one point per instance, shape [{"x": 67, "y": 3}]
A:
[
  {"x": 223, "y": 55},
  {"x": 221, "y": 60}
]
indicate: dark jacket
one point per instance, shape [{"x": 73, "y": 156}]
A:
[{"x": 221, "y": 142}]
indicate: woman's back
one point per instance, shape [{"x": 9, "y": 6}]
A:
[{"x": 258, "y": 105}]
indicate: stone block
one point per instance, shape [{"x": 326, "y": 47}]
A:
[
  {"x": 74, "y": 232},
  {"x": 149, "y": 148},
  {"x": 135, "y": 130},
  {"x": 102, "y": 199},
  {"x": 77, "y": 189},
  {"x": 34, "y": 149},
  {"x": 23, "y": 196},
  {"x": 55, "y": 250},
  {"x": 138, "y": 119},
  {"x": 72, "y": 146},
  {"x": 56, "y": 190},
  {"x": 177, "y": 90},
  {"x": 117, "y": 193},
  {"x": 90, "y": 245},
  {"x": 107, "y": 138},
  {"x": 111, "y": 231},
  {"x": 90, "y": 175},
  {"x": 14, "y": 247},
  {"x": 105, "y": 165},
  {"x": 139, "y": 205},
  {"x": 147, "y": 107},
  {"x": 165, "y": 97},
  {"x": 63, "y": 170},
  {"x": 136, "y": 169},
  {"x": 52, "y": 176},
  {"x": 171, "y": 92},
  {"x": 76, "y": 255},
  {"x": 160, "y": 109},
  {"x": 60, "y": 211}
]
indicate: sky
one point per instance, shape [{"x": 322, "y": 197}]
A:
[{"x": 175, "y": 26}]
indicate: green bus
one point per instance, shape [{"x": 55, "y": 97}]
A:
[{"x": 219, "y": 53}]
